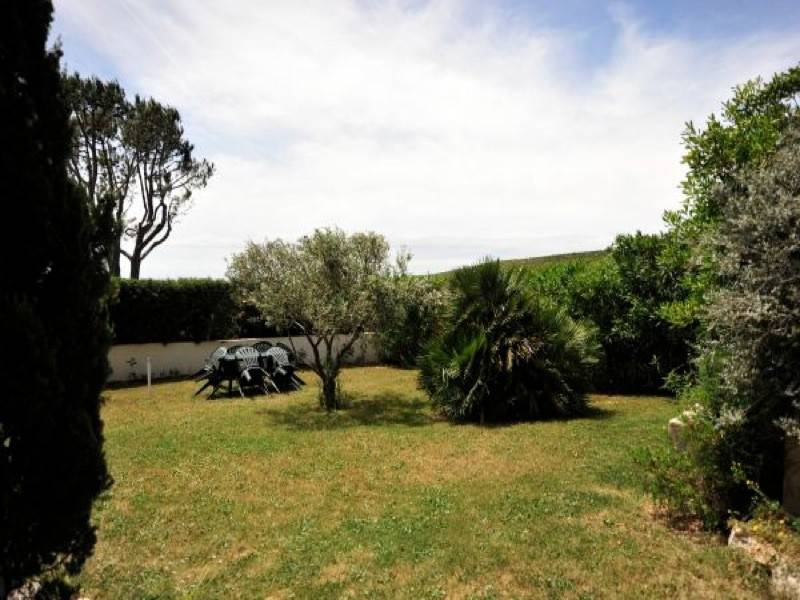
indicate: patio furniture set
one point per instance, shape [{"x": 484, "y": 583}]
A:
[{"x": 262, "y": 367}]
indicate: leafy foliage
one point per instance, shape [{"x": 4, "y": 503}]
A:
[
  {"x": 325, "y": 284},
  {"x": 100, "y": 161},
  {"x": 167, "y": 174},
  {"x": 506, "y": 354},
  {"x": 747, "y": 132},
  {"x": 753, "y": 319},
  {"x": 750, "y": 383},
  {"x": 411, "y": 313},
  {"x": 622, "y": 295},
  {"x": 53, "y": 290}
]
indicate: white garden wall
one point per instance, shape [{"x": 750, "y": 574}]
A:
[{"x": 128, "y": 362}]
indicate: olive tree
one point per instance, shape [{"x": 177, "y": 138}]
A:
[
  {"x": 753, "y": 319},
  {"x": 325, "y": 284}
]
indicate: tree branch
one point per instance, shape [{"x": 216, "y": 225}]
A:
[{"x": 347, "y": 346}]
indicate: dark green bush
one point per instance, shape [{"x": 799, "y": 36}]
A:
[
  {"x": 53, "y": 310},
  {"x": 180, "y": 310},
  {"x": 506, "y": 354}
]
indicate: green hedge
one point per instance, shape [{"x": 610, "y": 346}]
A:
[{"x": 174, "y": 310}]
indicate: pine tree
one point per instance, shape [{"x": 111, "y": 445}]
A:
[{"x": 53, "y": 311}]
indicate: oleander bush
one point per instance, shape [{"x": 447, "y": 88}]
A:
[{"x": 622, "y": 294}]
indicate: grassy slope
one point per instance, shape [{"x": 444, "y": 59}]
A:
[
  {"x": 272, "y": 498},
  {"x": 542, "y": 262}
]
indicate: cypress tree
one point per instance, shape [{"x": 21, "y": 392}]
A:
[{"x": 53, "y": 311}]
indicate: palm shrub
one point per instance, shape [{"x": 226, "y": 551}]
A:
[{"x": 506, "y": 354}]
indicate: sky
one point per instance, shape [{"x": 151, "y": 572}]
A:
[{"x": 456, "y": 128}]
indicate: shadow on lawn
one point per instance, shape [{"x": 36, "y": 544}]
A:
[
  {"x": 592, "y": 413},
  {"x": 377, "y": 410},
  {"x": 595, "y": 412},
  {"x": 387, "y": 409}
]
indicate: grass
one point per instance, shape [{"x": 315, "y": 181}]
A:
[{"x": 270, "y": 497}]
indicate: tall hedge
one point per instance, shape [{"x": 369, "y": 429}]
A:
[{"x": 173, "y": 310}]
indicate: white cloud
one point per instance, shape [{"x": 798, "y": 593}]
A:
[{"x": 454, "y": 140}]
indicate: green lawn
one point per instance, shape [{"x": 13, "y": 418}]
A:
[{"x": 269, "y": 497}]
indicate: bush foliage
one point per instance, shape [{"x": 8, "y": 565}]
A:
[
  {"x": 746, "y": 401},
  {"x": 195, "y": 310},
  {"x": 622, "y": 295},
  {"x": 505, "y": 353},
  {"x": 737, "y": 234},
  {"x": 412, "y": 312}
]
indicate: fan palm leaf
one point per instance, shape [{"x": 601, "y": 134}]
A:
[{"x": 506, "y": 354}]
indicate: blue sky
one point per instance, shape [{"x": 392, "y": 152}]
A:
[{"x": 457, "y": 128}]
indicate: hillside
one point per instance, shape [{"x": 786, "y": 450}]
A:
[{"x": 541, "y": 262}]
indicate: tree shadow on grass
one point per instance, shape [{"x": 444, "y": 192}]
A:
[
  {"x": 596, "y": 413},
  {"x": 591, "y": 413},
  {"x": 389, "y": 409},
  {"x": 378, "y": 410}
]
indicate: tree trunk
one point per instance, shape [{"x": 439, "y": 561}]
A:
[
  {"x": 330, "y": 399},
  {"x": 116, "y": 257},
  {"x": 791, "y": 476},
  {"x": 136, "y": 265},
  {"x": 116, "y": 247}
]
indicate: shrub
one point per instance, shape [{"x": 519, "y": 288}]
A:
[
  {"x": 179, "y": 310},
  {"x": 53, "y": 290},
  {"x": 412, "y": 312},
  {"x": 622, "y": 295},
  {"x": 506, "y": 354},
  {"x": 748, "y": 383},
  {"x": 689, "y": 483},
  {"x": 745, "y": 132}
]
